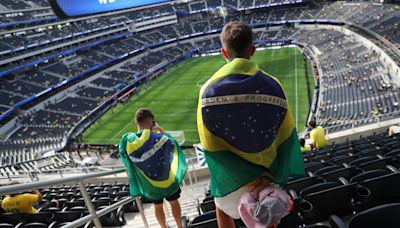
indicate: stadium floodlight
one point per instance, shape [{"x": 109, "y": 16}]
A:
[{"x": 75, "y": 8}]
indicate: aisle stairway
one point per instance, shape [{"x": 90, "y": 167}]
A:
[{"x": 188, "y": 200}]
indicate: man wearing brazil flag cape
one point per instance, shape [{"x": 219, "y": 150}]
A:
[
  {"x": 245, "y": 127},
  {"x": 155, "y": 163}
]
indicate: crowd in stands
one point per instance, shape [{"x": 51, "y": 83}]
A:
[{"x": 352, "y": 69}]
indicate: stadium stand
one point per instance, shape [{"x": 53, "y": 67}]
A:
[
  {"x": 87, "y": 61},
  {"x": 335, "y": 110}
]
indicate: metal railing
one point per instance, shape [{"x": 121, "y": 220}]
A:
[{"x": 93, "y": 214}]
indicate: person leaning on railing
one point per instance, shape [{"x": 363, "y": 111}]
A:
[{"x": 24, "y": 202}]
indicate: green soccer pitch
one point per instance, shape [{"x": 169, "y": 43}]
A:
[{"x": 173, "y": 96}]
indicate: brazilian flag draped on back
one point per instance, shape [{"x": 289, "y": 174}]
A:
[
  {"x": 246, "y": 128},
  {"x": 155, "y": 163}
]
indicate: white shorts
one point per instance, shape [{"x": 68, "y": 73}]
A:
[{"x": 229, "y": 204}]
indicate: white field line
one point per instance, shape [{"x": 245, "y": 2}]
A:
[
  {"x": 120, "y": 131},
  {"x": 296, "y": 94}
]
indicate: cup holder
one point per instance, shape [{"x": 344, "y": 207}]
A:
[
  {"x": 307, "y": 210},
  {"x": 363, "y": 194},
  {"x": 306, "y": 206}
]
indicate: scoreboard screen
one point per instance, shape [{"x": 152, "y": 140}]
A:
[{"x": 74, "y": 8}]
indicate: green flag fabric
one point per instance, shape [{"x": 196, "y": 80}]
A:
[
  {"x": 246, "y": 128},
  {"x": 155, "y": 163}
]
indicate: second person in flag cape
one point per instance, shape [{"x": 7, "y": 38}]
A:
[
  {"x": 155, "y": 163},
  {"x": 245, "y": 127}
]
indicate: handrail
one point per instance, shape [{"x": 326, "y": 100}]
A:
[
  {"x": 98, "y": 214},
  {"x": 33, "y": 185}
]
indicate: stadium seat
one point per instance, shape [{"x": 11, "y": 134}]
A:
[
  {"x": 339, "y": 160},
  {"x": 375, "y": 164},
  {"x": 300, "y": 184},
  {"x": 101, "y": 202},
  {"x": 66, "y": 216},
  {"x": 322, "y": 200},
  {"x": 74, "y": 204},
  {"x": 206, "y": 220},
  {"x": 32, "y": 225},
  {"x": 326, "y": 169},
  {"x": 12, "y": 218},
  {"x": 369, "y": 175},
  {"x": 382, "y": 216},
  {"x": 51, "y": 209},
  {"x": 81, "y": 209},
  {"x": 207, "y": 206},
  {"x": 6, "y": 225},
  {"x": 314, "y": 166},
  {"x": 293, "y": 219},
  {"x": 362, "y": 160},
  {"x": 381, "y": 187},
  {"x": 41, "y": 217},
  {"x": 393, "y": 153},
  {"x": 346, "y": 173},
  {"x": 114, "y": 218}
]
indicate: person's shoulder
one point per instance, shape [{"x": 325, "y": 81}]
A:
[
  {"x": 272, "y": 78},
  {"x": 130, "y": 136},
  {"x": 26, "y": 196}
]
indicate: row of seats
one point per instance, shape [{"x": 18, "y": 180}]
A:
[{"x": 362, "y": 186}]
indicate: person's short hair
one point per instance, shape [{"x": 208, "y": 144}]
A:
[
  {"x": 312, "y": 123},
  {"x": 236, "y": 37},
  {"x": 142, "y": 114},
  {"x": 302, "y": 142}
]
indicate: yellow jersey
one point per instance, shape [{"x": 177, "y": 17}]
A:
[
  {"x": 305, "y": 148},
  {"x": 317, "y": 135},
  {"x": 21, "y": 203}
]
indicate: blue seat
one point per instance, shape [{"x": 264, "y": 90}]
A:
[
  {"x": 206, "y": 220},
  {"x": 322, "y": 200},
  {"x": 386, "y": 216}
]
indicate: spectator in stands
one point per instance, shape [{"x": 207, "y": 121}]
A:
[
  {"x": 317, "y": 135},
  {"x": 245, "y": 125},
  {"x": 393, "y": 130},
  {"x": 151, "y": 151},
  {"x": 303, "y": 146},
  {"x": 24, "y": 202}
]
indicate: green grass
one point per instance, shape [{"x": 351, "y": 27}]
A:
[{"x": 173, "y": 97}]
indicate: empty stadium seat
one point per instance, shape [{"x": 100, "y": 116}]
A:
[
  {"x": 12, "y": 218},
  {"x": 299, "y": 184},
  {"x": 207, "y": 206},
  {"x": 41, "y": 217},
  {"x": 206, "y": 220},
  {"x": 345, "y": 172},
  {"x": 32, "y": 225},
  {"x": 322, "y": 200},
  {"x": 381, "y": 187},
  {"x": 382, "y": 216}
]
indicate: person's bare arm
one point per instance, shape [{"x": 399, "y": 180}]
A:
[
  {"x": 36, "y": 192},
  {"x": 264, "y": 181},
  {"x": 313, "y": 146},
  {"x": 158, "y": 128}
]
